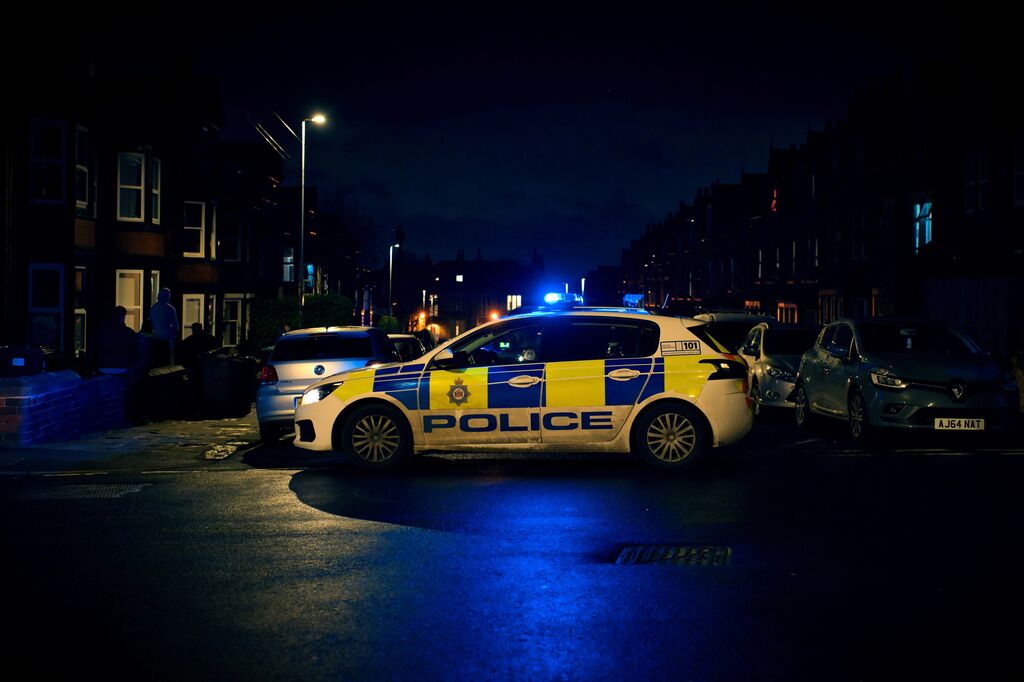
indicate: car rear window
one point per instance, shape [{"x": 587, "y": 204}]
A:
[
  {"x": 322, "y": 347},
  {"x": 910, "y": 338}
]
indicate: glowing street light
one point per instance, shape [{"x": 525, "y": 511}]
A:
[
  {"x": 391, "y": 261},
  {"x": 318, "y": 119}
]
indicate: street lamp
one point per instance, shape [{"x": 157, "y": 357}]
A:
[
  {"x": 391, "y": 303},
  {"x": 318, "y": 119}
]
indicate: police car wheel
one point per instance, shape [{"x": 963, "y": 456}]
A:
[
  {"x": 376, "y": 437},
  {"x": 671, "y": 437}
]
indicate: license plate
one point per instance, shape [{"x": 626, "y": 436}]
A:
[{"x": 960, "y": 424}]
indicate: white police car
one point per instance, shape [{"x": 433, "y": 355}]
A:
[{"x": 608, "y": 381}]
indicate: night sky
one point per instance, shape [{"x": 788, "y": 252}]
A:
[{"x": 509, "y": 128}]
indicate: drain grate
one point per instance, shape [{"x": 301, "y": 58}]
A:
[
  {"x": 677, "y": 555},
  {"x": 100, "y": 491}
]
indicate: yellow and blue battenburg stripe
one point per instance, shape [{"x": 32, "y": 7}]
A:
[
  {"x": 584, "y": 383},
  {"x": 400, "y": 383},
  {"x": 684, "y": 375}
]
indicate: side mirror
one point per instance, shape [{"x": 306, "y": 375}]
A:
[{"x": 448, "y": 360}]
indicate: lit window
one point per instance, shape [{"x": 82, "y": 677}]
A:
[
  {"x": 513, "y": 301},
  {"x": 128, "y": 293},
  {"x": 288, "y": 265},
  {"x": 231, "y": 319},
  {"x": 922, "y": 225},
  {"x": 458, "y": 278}
]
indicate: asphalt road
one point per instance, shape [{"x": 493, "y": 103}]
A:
[{"x": 790, "y": 556}]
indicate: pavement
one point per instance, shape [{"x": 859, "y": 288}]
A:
[{"x": 170, "y": 443}]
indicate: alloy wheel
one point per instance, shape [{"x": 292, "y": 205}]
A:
[
  {"x": 671, "y": 437},
  {"x": 376, "y": 438}
]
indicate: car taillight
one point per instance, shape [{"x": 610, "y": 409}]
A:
[{"x": 268, "y": 375}]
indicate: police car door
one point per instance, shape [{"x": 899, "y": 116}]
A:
[
  {"x": 489, "y": 393},
  {"x": 595, "y": 370}
]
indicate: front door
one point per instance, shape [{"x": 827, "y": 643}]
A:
[{"x": 493, "y": 393}]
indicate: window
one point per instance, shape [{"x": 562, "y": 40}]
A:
[
  {"x": 83, "y": 164},
  {"x": 131, "y": 175},
  {"x": 230, "y": 236},
  {"x": 191, "y": 312},
  {"x": 786, "y": 312},
  {"x": 843, "y": 340},
  {"x": 591, "y": 339},
  {"x": 288, "y": 265},
  {"x": 760, "y": 267},
  {"x": 458, "y": 278},
  {"x": 80, "y": 312},
  {"x": 1018, "y": 171},
  {"x": 792, "y": 260},
  {"x": 194, "y": 230},
  {"x": 922, "y": 225},
  {"x": 323, "y": 347},
  {"x": 46, "y": 305},
  {"x": 231, "y": 320},
  {"x": 155, "y": 180},
  {"x": 46, "y": 173},
  {"x": 513, "y": 301},
  {"x": 213, "y": 232},
  {"x": 501, "y": 344},
  {"x": 128, "y": 293}
]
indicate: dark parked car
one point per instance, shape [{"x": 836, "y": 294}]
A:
[{"x": 902, "y": 374}]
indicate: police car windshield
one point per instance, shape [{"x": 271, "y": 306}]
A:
[{"x": 322, "y": 347}]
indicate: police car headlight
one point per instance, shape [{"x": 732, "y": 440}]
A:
[
  {"x": 780, "y": 373},
  {"x": 883, "y": 378},
  {"x": 315, "y": 395}
]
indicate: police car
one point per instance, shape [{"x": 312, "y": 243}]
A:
[{"x": 659, "y": 387}]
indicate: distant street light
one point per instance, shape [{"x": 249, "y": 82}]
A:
[
  {"x": 391, "y": 261},
  {"x": 318, "y": 119}
]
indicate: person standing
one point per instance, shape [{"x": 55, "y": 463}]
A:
[
  {"x": 165, "y": 328},
  {"x": 118, "y": 347}
]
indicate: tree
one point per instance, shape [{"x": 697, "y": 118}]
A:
[{"x": 389, "y": 324}]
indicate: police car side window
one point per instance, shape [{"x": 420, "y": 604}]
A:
[
  {"x": 587, "y": 339},
  {"x": 501, "y": 345}
]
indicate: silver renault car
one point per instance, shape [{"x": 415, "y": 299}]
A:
[
  {"x": 303, "y": 356},
  {"x": 903, "y": 374}
]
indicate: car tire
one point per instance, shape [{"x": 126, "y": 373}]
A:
[
  {"x": 671, "y": 437},
  {"x": 802, "y": 414},
  {"x": 755, "y": 397},
  {"x": 857, "y": 417},
  {"x": 375, "y": 437},
  {"x": 270, "y": 433}
]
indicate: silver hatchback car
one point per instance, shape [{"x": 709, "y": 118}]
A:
[
  {"x": 773, "y": 352},
  {"x": 903, "y": 374},
  {"x": 303, "y": 356}
]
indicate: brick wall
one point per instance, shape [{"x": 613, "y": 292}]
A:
[{"x": 59, "y": 406}]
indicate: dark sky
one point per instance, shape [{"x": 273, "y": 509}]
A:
[{"x": 510, "y": 127}]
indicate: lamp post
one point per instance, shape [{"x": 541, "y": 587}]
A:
[
  {"x": 318, "y": 119},
  {"x": 391, "y": 303}
]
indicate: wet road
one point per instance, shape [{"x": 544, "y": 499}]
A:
[{"x": 792, "y": 557}]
